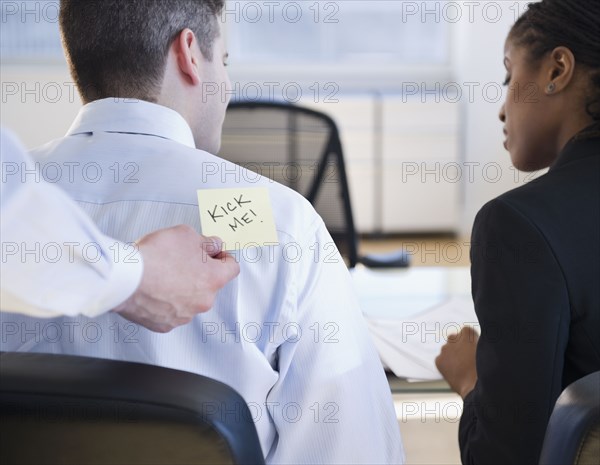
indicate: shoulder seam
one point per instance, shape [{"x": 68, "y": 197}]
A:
[{"x": 528, "y": 221}]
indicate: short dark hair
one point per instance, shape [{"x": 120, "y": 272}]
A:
[
  {"x": 574, "y": 24},
  {"x": 118, "y": 48}
]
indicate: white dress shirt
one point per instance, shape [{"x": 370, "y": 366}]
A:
[
  {"x": 287, "y": 334},
  {"x": 55, "y": 261}
]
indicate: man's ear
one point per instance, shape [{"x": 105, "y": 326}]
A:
[
  {"x": 561, "y": 70},
  {"x": 188, "y": 56}
]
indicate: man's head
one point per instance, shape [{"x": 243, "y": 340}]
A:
[{"x": 161, "y": 51}]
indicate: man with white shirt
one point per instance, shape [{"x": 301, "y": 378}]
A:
[
  {"x": 287, "y": 334},
  {"x": 47, "y": 268}
]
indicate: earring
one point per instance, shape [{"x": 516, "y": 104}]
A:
[{"x": 551, "y": 88}]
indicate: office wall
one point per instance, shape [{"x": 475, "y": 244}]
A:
[
  {"x": 402, "y": 156},
  {"x": 39, "y": 103},
  {"x": 478, "y": 46}
]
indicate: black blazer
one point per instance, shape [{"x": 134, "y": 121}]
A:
[{"x": 536, "y": 286}]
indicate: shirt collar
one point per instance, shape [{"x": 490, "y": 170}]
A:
[
  {"x": 578, "y": 148},
  {"x": 132, "y": 117}
]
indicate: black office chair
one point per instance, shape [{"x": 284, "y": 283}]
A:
[
  {"x": 573, "y": 433},
  {"x": 301, "y": 149},
  {"x": 59, "y": 409}
]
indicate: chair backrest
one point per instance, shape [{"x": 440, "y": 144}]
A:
[
  {"x": 59, "y": 409},
  {"x": 573, "y": 433},
  {"x": 301, "y": 149}
]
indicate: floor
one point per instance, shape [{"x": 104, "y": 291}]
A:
[
  {"x": 429, "y": 427},
  {"x": 428, "y": 422}
]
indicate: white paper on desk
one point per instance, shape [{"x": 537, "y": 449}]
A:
[
  {"x": 401, "y": 293},
  {"x": 409, "y": 346}
]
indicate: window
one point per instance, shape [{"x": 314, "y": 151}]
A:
[
  {"x": 362, "y": 42},
  {"x": 29, "y": 31},
  {"x": 359, "y": 43},
  {"x": 343, "y": 32}
]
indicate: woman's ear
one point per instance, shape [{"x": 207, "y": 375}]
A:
[
  {"x": 187, "y": 51},
  {"x": 561, "y": 69}
]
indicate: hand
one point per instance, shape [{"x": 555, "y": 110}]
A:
[
  {"x": 183, "y": 271},
  {"x": 456, "y": 361}
]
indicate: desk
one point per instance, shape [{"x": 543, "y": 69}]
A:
[
  {"x": 403, "y": 386},
  {"x": 410, "y": 313}
]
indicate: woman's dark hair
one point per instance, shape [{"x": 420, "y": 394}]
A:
[
  {"x": 118, "y": 48},
  {"x": 574, "y": 24}
]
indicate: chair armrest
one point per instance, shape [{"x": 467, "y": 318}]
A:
[{"x": 396, "y": 259}]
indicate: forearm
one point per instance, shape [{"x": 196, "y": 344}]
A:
[{"x": 55, "y": 261}]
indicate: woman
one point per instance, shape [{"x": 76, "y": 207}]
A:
[{"x": 536, "y": 249}]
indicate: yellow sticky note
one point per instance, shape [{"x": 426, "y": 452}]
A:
[{"x": 242, "y": 217}]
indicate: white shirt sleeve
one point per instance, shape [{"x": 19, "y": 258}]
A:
[
  {"x": 55, "y": 261},
  {"x": 332, "y": 403}
]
